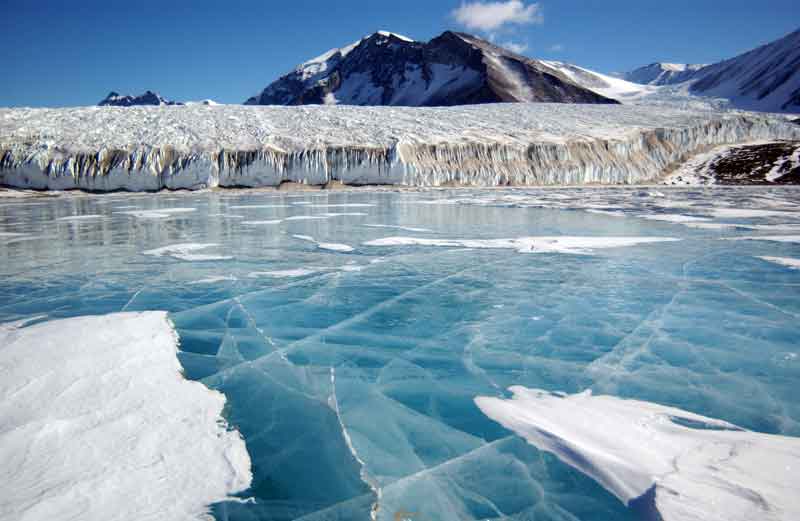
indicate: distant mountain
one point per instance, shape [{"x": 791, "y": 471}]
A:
[
  {"x": 452, "y": 69},
  {"x": 766, "y": 78},
  {"x": 148, "y": 98},
  {"x": 662, "y": 73}
]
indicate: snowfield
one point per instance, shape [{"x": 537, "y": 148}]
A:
[{"x": 150, "y": 148}]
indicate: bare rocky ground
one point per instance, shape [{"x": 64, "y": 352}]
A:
[
  {"x": 770, "y": 163},
  {"x": 766, "y": 163}
]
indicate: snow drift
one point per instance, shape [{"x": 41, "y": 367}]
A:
[{"x": 150, "y": 148}]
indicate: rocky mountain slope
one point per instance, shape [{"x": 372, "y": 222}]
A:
[
  {"x": 148, "y": 98},
  {"x": 452, "y": 69}
]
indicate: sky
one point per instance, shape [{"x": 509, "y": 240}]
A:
[{"x": 73, "y": 52}]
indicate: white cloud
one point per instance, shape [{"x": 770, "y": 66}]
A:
[
  {"x": 518, "y": 48},
  {"x": 490, "y": 16},
  {"x": 556, "y": 48}
]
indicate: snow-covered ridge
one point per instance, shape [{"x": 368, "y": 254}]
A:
[
  {"x": 103, "y": 426},
  {"x": 149, "y": 148}
]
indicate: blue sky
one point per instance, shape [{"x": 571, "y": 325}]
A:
[{"x": 73, "y": 52}]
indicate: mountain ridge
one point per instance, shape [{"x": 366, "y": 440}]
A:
[
  {"x": 766, "y": 78},
  {"x": 149, "y": 97},
  {"x": 452, "y": 69}
]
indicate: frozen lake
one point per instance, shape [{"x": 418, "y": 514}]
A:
[{"x": 352, "y": 331}]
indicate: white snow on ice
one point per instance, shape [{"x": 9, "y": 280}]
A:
[
  {"x": 298, "y": 272},
  {"x": 558, "y": 244},
  {"x": 702, "y": 469},
  {"x": 161, "y": 213},
  {"x": 398, "y": 227},
  {"x": 98, "y": 423},
  {"x": 332, "y": 246},
  {"x": 184, "y": 251},
  {"x": 783, "y": 261},
  {"x": 258, "y": 223},
  {"x": 673, "y": 218},
  {"x": 215, "y": 279}
]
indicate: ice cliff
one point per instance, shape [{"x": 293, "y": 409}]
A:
[{"x": 150, "y": 148}]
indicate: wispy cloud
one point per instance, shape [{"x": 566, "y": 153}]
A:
[
  {"x": 556, "y": 48},
  {"x": 491, "y": 16},
  {"x": 518, "y": 48}
]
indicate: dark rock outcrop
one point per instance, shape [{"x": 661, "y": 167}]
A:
[{"x": 148, "y": 98}]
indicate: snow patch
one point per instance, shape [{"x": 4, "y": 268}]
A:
[
  {"x": 161, "y": 213},
  {"x": 784, "y": 261},
  {"x": 184, "y": 251},
  {"x": 298, "y": 272},
  {"x": 563, "y": 244},
  {"x": 331, "y": 246}
]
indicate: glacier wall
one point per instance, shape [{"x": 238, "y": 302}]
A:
[{"x": 151, "y": 148}]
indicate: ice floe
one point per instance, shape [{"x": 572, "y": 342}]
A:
[
  {"x": 674, "y": 218},
  {"x": 783, "y": 261},
  {"x": 184, "y": 251},
  {"x": 103, "y": 426},
  {"x": 565, "y": 244},
  {"x": 332, "y": 246},
  {"x": 297, "y": 272},
  {"x": 161, "y": 213},
  {"x": 215, "y": 279},
  {"x": 398, "y": 227},
  {"x": 259, "y": 223},
  {"x": 771, "y": 238},
  {"x": 700, "y": 468}
]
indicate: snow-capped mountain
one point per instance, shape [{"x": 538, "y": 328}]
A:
[
  {"x": 663, "y": 73},
  {"x": 148, "y": 98},
  {"x": 766, "y": 78},
  {"x": 452, "y": 69}
]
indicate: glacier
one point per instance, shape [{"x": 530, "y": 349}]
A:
[
  {"x": 341, "y": 338},
  {"x": 195, "y": 147}
]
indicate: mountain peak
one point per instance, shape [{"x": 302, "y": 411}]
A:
[
  {"x": 149, "y": 97},
  {"x": 454, "y": 68}
]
